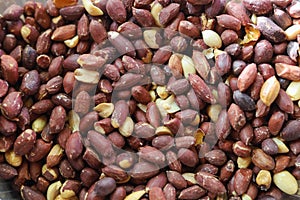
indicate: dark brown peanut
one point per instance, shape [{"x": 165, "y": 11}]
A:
[
  {"x": 64, "y": 33},
  {"x": 216, "y": 157},
  {"x": 282, "y": 18},
  {"x": 238, "y": 10},
  {"x": 260, "y": 133},
  {"x": 105, "y": 186},
  {"x": 39, "y": 151},
  {"x": 41, "y": 16},
  {"x": 72, "y": 13},
  {"x": 116, "y": 10},
  {"x": 7, "y": 172},
  {"x": 276, "y": 34},
  {"x": 66, "y": 170},
  {"x": 96, "y": 27},
  {"x": 258, "y": 7},
  {"x": 144, "y": 170},
  {"x": 12, "y": 105},
  {"x": 118, "y": 194},
  {"x": 262, "y": 160},
  {"x": 151, "y": 154},
  {"x": 42, "y": 106},
  {"x": 91, "y": 158},
  {"x": 156, "y": 193},
  {"x": 173, "y": 162},
  {"x": 269, "y": 147},
  {"x": 130, "y": 30},
  {"x": 289, "y": 132},
  {"x": 100, "y": 143},
  {"x": 24, "y": 142},
  {"x": 9, "y": 67},
  {"x": 227, "y": 171},
  {"x": 57, "y": 120},
  {"x": 188, "y": 28},
  {"x": 242, "y": 180},
  {"x": 143, "y": 17},
  {"x": 7, "y": 128},
  {"x": 188, "y": 157},
  {"x": 285, "y": 102},
  {"x": 27, "y": 193},
  {"x": 140, "y": 94},
  {"x": 158, "y": 181},
  {"x": 153, "y": 115},
  {"x": 282, "y": 162},
  {"x": 13, "y": 12},
  {"x": 201, "y": 89},
  {"x": 241, "y": 150},
  {"x": 223, "y": 127},
  {"x": 245, "y": 102},
  {"x": 290, "y": 72},
  {"x": 192, "y": 192},
  {"x": 229, "y": 22},
  {"x": 168, "y": 13},
  {"x": 276, "y": 122},
  {"x": 82, "y": 103},
  {"x": 117, "y": 39},
  {"x": 42, "y": 184},
  {"x": 236, "y": 117},
  {"x": 74, "y": 146},
  {"x": 115, "y": 172},
  {"x": 54, "y": 85},
  {"x": 210, "y": 183},
  {"x": 176, "y": 179},
  {"x": 170, "y": 192}
]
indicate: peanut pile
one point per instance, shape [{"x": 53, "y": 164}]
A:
[{"x": 150, "y": 99}]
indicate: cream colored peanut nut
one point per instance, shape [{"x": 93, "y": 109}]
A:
[
  {"x": 292, "y": 31},
  {"x": 163, "y": 130},
  {"x": 91, "y": 8},
  {"x": 55, "y": 155},
  {"x": 150, "y": 38},
  {"x": 104, "y": 109},
  {"x": 188, "y": 66},
  {"x": 39, "y": 124},
  {"x": 142, "y": 107},
  {"x": 135, "y": 195},
  {"x": 156, "y": 7},
  {"x": 127, "y": 127},
  {"x": 282, "y": 148},
  {"x": 286, "y": 182},
  {"x": 153, "y": 95},
  {"x": 243, "y": 162},
  {"x": 74, "y": 120},
  {"x": 264, "y": 179},
  {"x": 53, "y": 190},
  {"x": 190, "y": 177},
  {"x": 87, "y": 76},
  {"x": 246, "y": 197},
  {"x": 212, "y": 39},
  {"x": 293, "y": 90},
  {"x": 162, "y": 92},
  {"x": 167, "y": 106},
  {"x": 72, "y": 43},
  {"x": 213, "y": 111},
  {"x": 270, "y": 90},
  {"x": 13, "y": 159}
]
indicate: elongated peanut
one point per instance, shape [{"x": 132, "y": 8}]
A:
[{"x": 269, "y": 91}]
